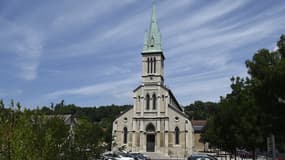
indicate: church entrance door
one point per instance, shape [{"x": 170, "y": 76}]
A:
[{"x": 150, "y": 142}]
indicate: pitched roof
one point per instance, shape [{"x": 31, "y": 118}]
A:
[
  {"x": 199, "y": 122},
  {"x": 198, "y": 125}
]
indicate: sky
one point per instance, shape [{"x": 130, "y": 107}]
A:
[{"x": 88, "y": 52}]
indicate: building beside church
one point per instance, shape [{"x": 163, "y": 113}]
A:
[
  {"x": 157, "y": 122},
  {"x": 198, "y": 126}
]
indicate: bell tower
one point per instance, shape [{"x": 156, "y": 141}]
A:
[{"x": 152, "y": 54}]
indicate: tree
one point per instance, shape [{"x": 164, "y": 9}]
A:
[
  {"x": 237, "y": 123},
  {"x": 87, "y": 141},
  {"x": 201, "y": 110},
  {"x": 255, "y": 107},
  {"x": 29, "y": 135},
  {"x": 267, "y": 70},
  {"x": 40, "y": 134},
  {"x": 2, "y": 106}
]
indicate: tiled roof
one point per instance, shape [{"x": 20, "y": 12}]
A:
[
  {"x": 199, "y": 122},
  {"x": 198, "y": 125}
]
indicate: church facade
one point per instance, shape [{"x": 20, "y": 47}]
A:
[{"x": 156, "y": 122}]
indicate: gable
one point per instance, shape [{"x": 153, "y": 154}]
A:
[
  {"x": 124, "y": 120},
  {"x": 178, "y": 119}
]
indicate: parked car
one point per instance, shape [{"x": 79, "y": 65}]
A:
[
  {"x": 137, "y": 156},
  {"x": 122, "y": 157},
  {"x": 116, "y": 156},
  {"x": 244, "y": 154},
  {"x": 201, "y": 157}
]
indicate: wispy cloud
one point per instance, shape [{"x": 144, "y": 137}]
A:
[
  {"x": 201, "y": 91},
  {"x": 204, "y": 15},
  {"x": 29, "y": 53},
  {"x": 111, "y": 87},
  {"x": 90, "y": 50},
  {"x": 27, "y": 46},
  {"x": 74, "y": 16}
]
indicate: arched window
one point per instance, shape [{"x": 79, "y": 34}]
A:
[
  {"x": 153, "y": 101},
  {"x": 150, "y": 128},
  {"x": 147, "y": 65},
  {"x": 176, "y": 135},
  {"x": 152, "y": 42},
  {"x": 151, "y": 65},
  {"x": 147, "y": 98},
  {"x": 125, "y": 135},
  {"x": 162, "y": 97},
  {"x": 154, "y": 65}
]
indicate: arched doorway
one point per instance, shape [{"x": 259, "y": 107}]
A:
[{"x": 150, "y": 138}]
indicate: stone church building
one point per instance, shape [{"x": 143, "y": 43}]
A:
[{"x": 157, "y": 122}]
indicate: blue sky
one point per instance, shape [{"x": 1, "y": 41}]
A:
[{"x": 87, "y": 52}]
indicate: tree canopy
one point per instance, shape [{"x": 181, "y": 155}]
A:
[
  {"x": 40, "y": 134},
  {"x": 255, "y": 107}
]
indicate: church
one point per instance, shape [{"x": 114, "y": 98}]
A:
[{"x": 156, "y": 122}]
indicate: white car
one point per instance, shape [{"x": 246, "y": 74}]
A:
[
  {"x": 121, "y": 157},
  {"x": 116, "y": 156}
]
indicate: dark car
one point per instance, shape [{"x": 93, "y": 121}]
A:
[
  {"x": 201, "y": 157},
  {"x": 244, "y": 154},
  {"x": 138, "y": 156}
]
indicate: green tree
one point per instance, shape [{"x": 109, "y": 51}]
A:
[
  {"x": 267, "y": 70},
  {"x": 237, "y": 123},
  {"x": 201, "y": 110},
  {"x": 29, "y": 135},
  {"x": 255, "y": 107},
  {"x": 87, "y": 141},
  {"x": 2, "y": 106},
  {"x": 40, "y": 134},
  {"x": 8, "y": 123}
]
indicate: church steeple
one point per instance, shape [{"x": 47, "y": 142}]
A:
[
  {"x": 152, "y": 54},
  {"x": 152, "y": 42}
]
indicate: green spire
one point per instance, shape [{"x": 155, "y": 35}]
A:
[{"x": 152, "y": 42}]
